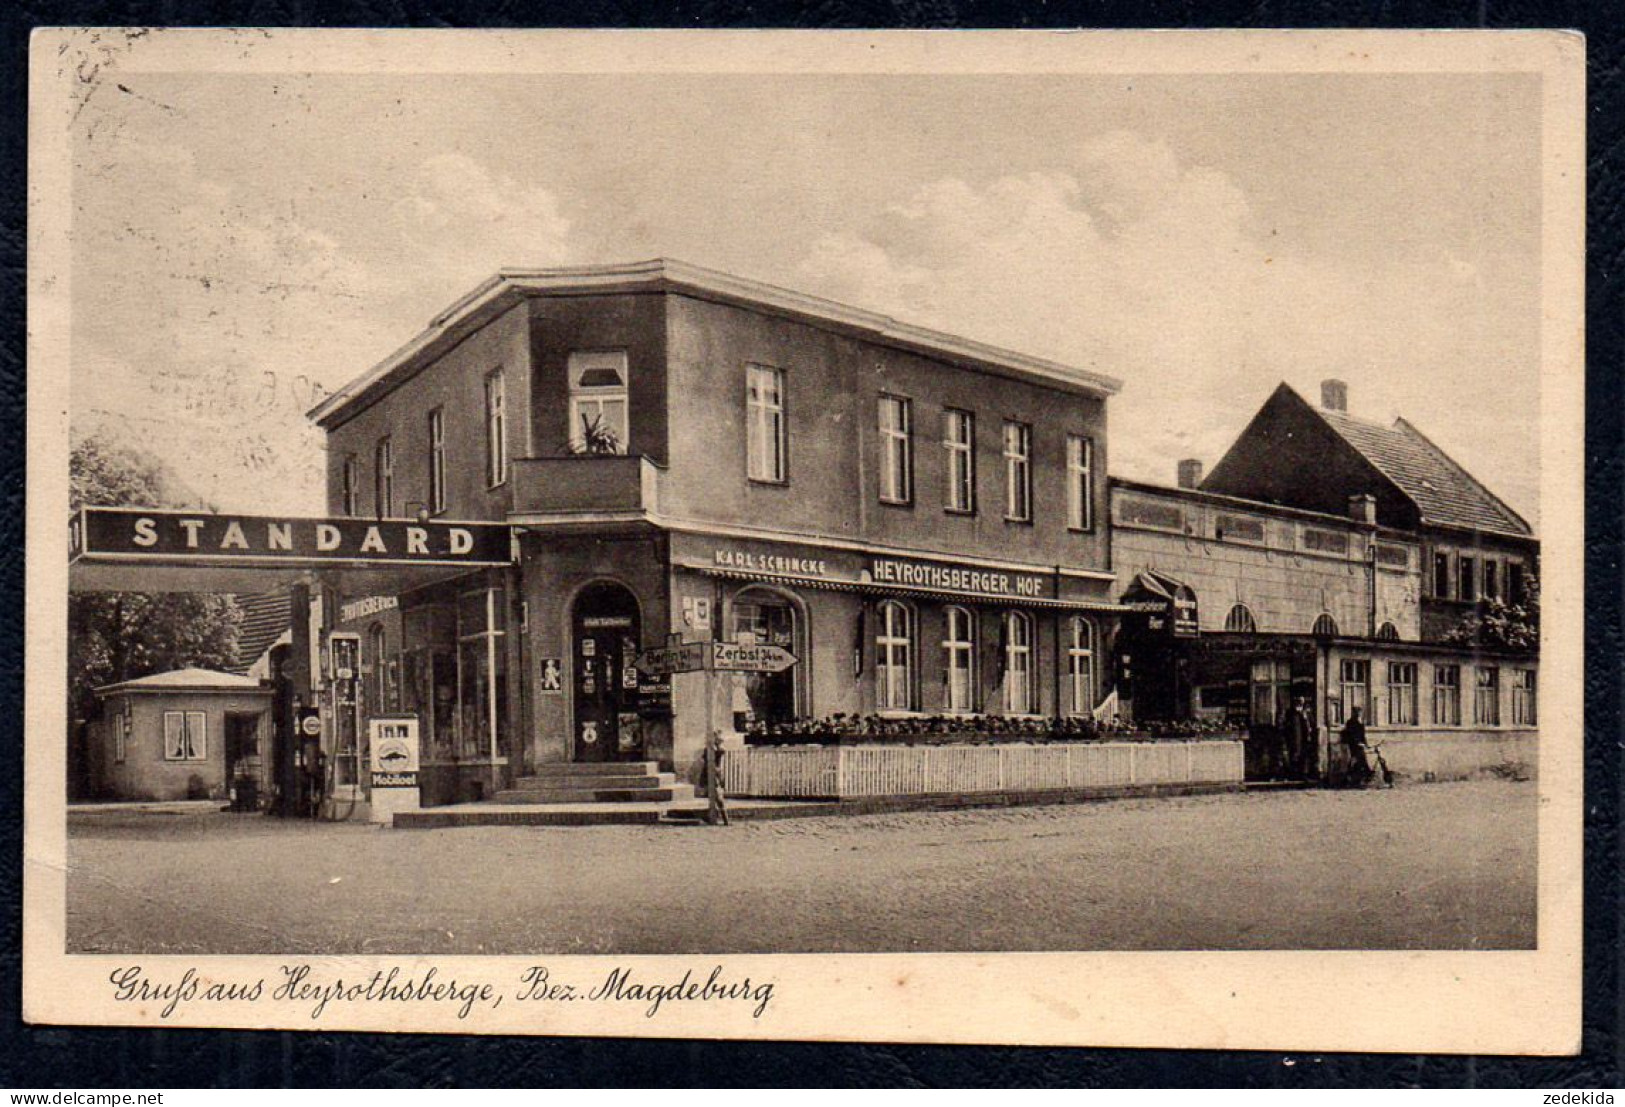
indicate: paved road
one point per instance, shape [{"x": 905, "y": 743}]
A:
[{"x": 1428, "y": 866}]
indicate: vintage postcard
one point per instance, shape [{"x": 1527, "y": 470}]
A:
[{"x": 1048, "y": 538}]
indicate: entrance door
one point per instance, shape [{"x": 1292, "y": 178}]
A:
[
  {"x": 768, "y": 620},
  {"x": 603, "y": 652}
]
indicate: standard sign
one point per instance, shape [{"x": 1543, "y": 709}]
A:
[
  {"x": 722, "y": 657},
  {"x": 163, "y": 536}
]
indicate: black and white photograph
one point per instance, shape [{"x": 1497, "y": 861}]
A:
[{"x": 756, "y": 535}]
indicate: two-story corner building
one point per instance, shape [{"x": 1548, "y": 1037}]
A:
[
  {"x": 1291, "y": 595},
  {"x": 917, "y": 517}
]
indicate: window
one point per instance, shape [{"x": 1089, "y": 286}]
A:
[
  {"x": 1487, "y": 696},
  {"x": 1018, "y": 472},
  {"x": 1325, "y": 626},
  {"x": 383, "y": 479},
  {"x": 1515, "y": 582},
  {"x": 1447, "y": 695},
  {"x": 959, "y": 439},
  {"x": 1492, "y": 581},
  {"x": 1240, "y": 621},
  {"x": 1401, "y": 693},
  {"x": 1018, "y": 664},
  {"x": 959, "y": 660},
  {"x": 1441, "y": 574},
  {"x": 437, "y": 460},
  {"x": 598, "y": 402},
  {"x": 1080, "y": 667},
  {"x": 351, "y": 487},
  {"x": 894, "y": 661},
  {"x": 1469, "y": 578},
  {"x": 385, "y": 672},
  {"x": 767, "y": 447},
  {"x": 496, "y": 429},
  {"x": 1080, "y": 497},
  {"x": 896, "y": 450},
  {"x": 1388, "y": 632},
  {"x": 1354, "y": 686},
  {"x": 482, "y": 673},
  {"x": 121, "y": 735},
  {"x": 1523, "y": 697},
  {"x": 185, "y": 736},
  {"x": 1272, "y": 692}
]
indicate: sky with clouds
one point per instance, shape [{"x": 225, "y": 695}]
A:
[{"x": 244, "y": 243}]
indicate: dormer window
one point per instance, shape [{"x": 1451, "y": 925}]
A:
[{"x": 598, "y": 402}]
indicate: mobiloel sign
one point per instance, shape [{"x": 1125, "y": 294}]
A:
[{"x": 127, "y": 534}]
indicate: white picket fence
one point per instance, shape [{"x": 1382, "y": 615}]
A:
[{"x": 841, "y": 772}]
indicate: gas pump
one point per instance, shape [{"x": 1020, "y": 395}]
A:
[{"x": 345, "y": 735}]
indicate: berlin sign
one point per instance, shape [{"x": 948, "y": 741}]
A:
[{"x": 689, "y": 657}]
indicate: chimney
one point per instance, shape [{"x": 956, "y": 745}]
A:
[
  {"x": 1190, "y": 472},
  {"x": 1334, "y": 395},
  {"x": 1363, "y": 509}
]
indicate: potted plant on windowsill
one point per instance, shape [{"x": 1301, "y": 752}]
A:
[{"x": 597, "y": 438}]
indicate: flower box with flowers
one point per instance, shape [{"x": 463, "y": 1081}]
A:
[{"x": 973, "y": 730}]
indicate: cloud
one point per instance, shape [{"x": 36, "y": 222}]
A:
[{"x": 1127, "y": 260}]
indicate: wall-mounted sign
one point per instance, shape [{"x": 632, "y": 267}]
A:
[
  {"x": 956, "y": 578},
  {"x": 552, "y": 675},
  {"x": 697, "y": 612},
  {"x": 371, "y": 605},
  {"x": 171, "y": 536},
  {"x": 757, "y": 562}
]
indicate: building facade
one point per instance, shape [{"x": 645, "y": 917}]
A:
[{"x": 684, "y": 455}]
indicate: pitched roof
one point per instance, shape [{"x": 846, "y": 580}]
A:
[
  {"x": 265, "y": 618},
  {"x": 187, "y": 679},
  {"x": 1444, "y": 492}
]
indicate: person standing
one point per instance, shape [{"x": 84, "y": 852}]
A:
[
  {"x": 1300, "y": 742},
  {"x": 717, "y": 807},
  {"x": 1354, "y": 740}
]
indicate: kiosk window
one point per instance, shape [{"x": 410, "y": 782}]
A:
[{"x": 185, "y": 736}]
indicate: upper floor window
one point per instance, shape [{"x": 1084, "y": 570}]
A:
[
  {"x": 383, "y": 479},
  {"x": 1441, "y": 574},
  {"x": 1515, "y": 582},
  {"x": 896, "y": 450},
  {"x": 1469, "y": 578},
  {"x": 496, "y": 429},
  {"x": 350, "y": 486},
  {"x": 959, "y": 439},
  {"x": 1492, "y": 580},
  {"x": 1325, "y": 626},
  {"x": 894, "y": 657},
  {"x": 1080, "y": 499},
  {"x": 437, "y": 460},
  {"x": 1240, "y": 620},
  {"x": 1018, "y": 472},
  {"x": 1388, "y": 632},
  {"x": 598, "y": 402},
  {"x": 959, "y": 660},
  {"x": 1018, "y": 664},
  {"x": 767, "y": 445}
]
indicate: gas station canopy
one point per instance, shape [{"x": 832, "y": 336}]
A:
[{"x": 119, "y": 549}]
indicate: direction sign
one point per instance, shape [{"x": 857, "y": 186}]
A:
[
  {"x": 731, "y": 657},
  {"x": 690, "y": 657}
]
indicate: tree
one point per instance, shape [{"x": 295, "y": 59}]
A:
[
  {"x": 1513, "y": 626},
  {"x": 116, "y": 636}
]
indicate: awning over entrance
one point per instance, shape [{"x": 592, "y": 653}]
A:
[
  {"x": 117, "y": 549},
  {"x": 1172, "y": 601}
]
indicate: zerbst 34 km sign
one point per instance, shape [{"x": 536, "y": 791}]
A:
[{"x": 721, "y": 657}]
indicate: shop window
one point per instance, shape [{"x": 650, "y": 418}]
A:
[
  {"x": 1080, "y": 500},
  {"x": 482, "y": 674},
  {"x": 1272, "y": 692},
  {"x": 437, "y": 460},
  {"x": 429, "y": 676},
  {"x": 768, "y": 446},
  {"x": 1523, "y": 697},
  {"x": 1325, "y": 626},
  {"x": 383, "y": 478},
  {"x": 894, "y": 657},
  {"x": 186, "y": 736},
  {"x": 386, "y": 672},
  {"x": 1447, "y": 695},
  {"x": 1402, "y": 693},
  {"x": 1240, "y": 621},
  {"x": 350, "y": 487},
  {"x": 598, "y": 402},
  {"x": 1354, "y": 690},
  {"x": 959, "y": 660},
  {"x": 1388, "y": 632},
  {"x": 896, "y": 450},
  {"x": 766, "y": 618},
  {"x": 496, "y": 428},
  {"x": 1019, "y": 697},
  {"x": 1441, "y": 575},
  {"x": 959, "y": 439},
  {"x": 1080, "y": 666},
  {"x": 1487, "y": 696},
  {"x": 1018, "y": 472}
]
